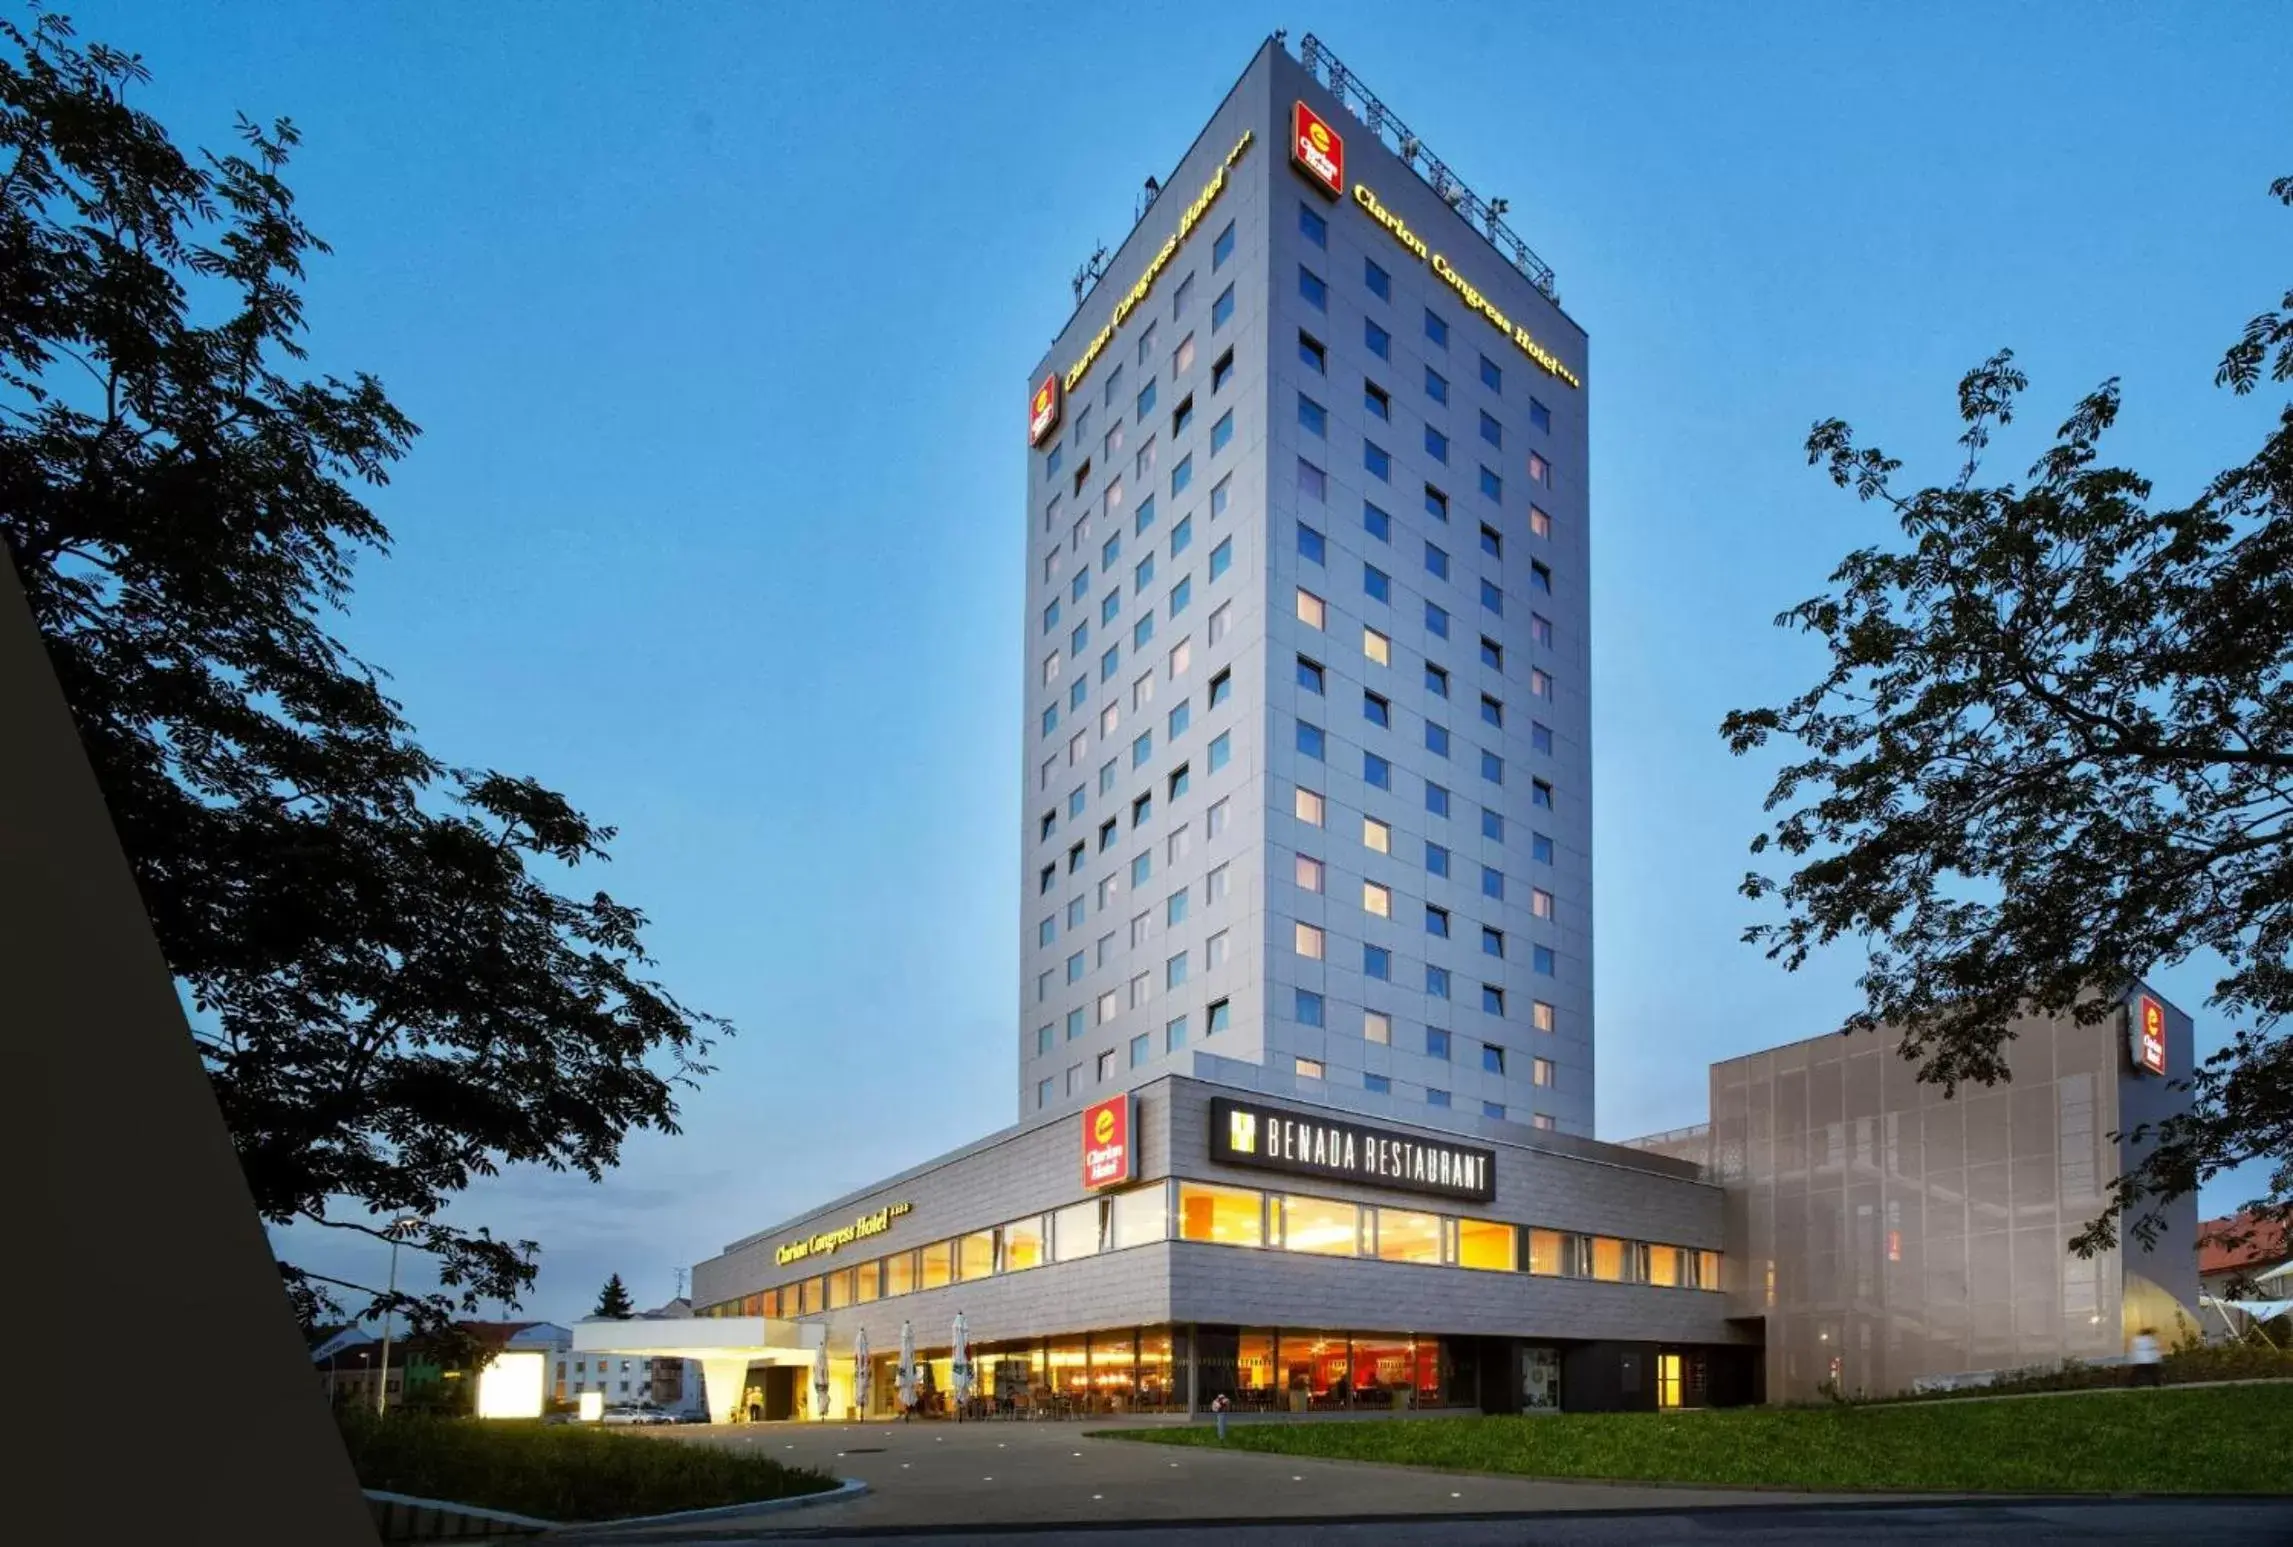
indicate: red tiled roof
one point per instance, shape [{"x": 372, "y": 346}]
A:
[{"x": 2265, "y": 1244}]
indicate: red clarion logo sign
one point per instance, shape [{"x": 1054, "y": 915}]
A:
[
  {"x": 1316, "y": 150},
  {"x": 1110, "y": 1157},
  {"x": 1043, "y": 411},
  {"x": 2150, "y": 1034}
]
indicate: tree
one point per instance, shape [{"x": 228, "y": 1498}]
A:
[
  {"x": 613, "y": 1302},
  {"x": 390, "y": 997},
  {"x": 2053, "y": 753}
]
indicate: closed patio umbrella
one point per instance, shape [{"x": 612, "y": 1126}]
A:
[
  {"x": 959, "y": 1365},
  {"x": 862, "y": 1376},
  {"x": 820, "y": 1378},
  {"x": 907, "y": 1369}
]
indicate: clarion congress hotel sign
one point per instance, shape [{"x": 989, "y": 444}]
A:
[{"x": 1242, "y": 1133}]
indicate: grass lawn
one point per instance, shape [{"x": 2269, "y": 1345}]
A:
[
  {"x": 561, "y": 1472},
  {"x": 2233, "y": 1439}
]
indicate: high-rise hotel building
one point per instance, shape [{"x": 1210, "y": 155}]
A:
[
  {"x": 1308, "y": 798},
  {"x": 1305, "y": 1045}
]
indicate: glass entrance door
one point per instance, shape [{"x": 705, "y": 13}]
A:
[{"x": 1668, "y": 1381}]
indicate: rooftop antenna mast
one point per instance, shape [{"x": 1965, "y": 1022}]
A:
[{"x": 1088, "y": 274}]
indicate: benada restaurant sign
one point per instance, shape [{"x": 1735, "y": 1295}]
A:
[
  {"x": 828, "y": 1241},
  {"x": 1398, "y": 229},
  {"x": 1243, "y": 1133}
]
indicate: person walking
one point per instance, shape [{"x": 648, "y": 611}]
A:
[{"x": 2145, "y": 1357}]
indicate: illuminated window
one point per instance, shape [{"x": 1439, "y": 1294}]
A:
[
  {"x": 1545, "y": 1252},
  {"x": 1309, "y": 942},
  {"x": 1541, "y": 1015},
  {"x": 1310, "y": 1069},
  {"x": 1022, "y": 1244},
  {"x": 1486, "y": 1244},
  {"x": 939, "y": 1265},
  {"x": 1309, "y": 873},
  {"x": 1405, "y": 1235},
  {"x": 1310, "y": 807},
  {"x": 1225, "y": 1216},
  {"x": 1664, "y": 1265},
  {"x": 1377, "y": 899},
  {"x": 1540, "y": 524},
  {"x": 1376, "y": 835},
  {"x": 1182, "y": 359},
  {"x": 1377, "y": 1026},
  {"x": 1542, "y": 1071},
  {"x": 1377, "y": 646},
  {"x": 1540, "y": 471},
  {"x": 900, "y": 1271},
  {"x": 1312, "y": 611},
  {"x": 1320, "y": 1226},
  {"x": 975, "y": 1255},
  {"x": 1077, "y": 1231},
  {"x": 1607, "y": 1259}
]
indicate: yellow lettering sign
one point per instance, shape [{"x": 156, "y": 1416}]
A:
[
  {"x": 828, "y": 1241},
  {"x": 1398, "y": 229},
  {"x": 1161, "y": 260}
]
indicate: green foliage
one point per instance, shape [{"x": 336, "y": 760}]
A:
[
  {"x": 2052, "y": 754},
  {"x": 2184, "y": 1366},
  {"x": 613, "y": 1300},
  {"x": 390, "y": 997},
  {"x": 2227, "y": 1439},
  {"x": 561, "y": 1472}
]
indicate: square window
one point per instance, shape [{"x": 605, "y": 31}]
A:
[
  {"x": 1373, "y": 521},
  {"x": 1377, "y": 460},
  {"x": 1492, "y": 767},
  {"x": 1540, "y": 524},
  {"x": 1379, "y": 282},
  {"x": 1436, "y": 504},
  {"x": 1436, "y": 1043},
  {"x": 1312, "y": 355},
  {"x": 1174, "y": 971},
  {"x": 1182, "y": 416},
  {"x": 1374, "y": 835},
  {"x": 1308, "y": 941},
  {"x": 1180, "y": 718},
  {"x": 1178, "y": 300},
  {"x": 1437, "y": 561},
  {"x": 1436, "y": 384},
  {"x": 1310, "y": 675},
  {"x": 1219, "y": 1016},
  {"x": 1218, "y": 496},
  {"x": 1492, "y": 487},
  {"x": 1375, "y": 402},
  {"x": 1541, "y": 1015},
  {"x": 1180, "y": 595},
  {"x": 1142, "y": 631},
  {"x": 1376, "y": 772},
  {"x": 1492, "y": 1000},
  {"x": 1436, "y": 680},
  {"x": 1214, "y": 889},
  {"x": 1377, "y": 647},
  {"x": 1223, "y": 248},
  {"x": 1312, "y": 481},
  {"x": 1436, "y": 621},
  {"x": 1379, "y": 342},
  {"x": 1377, "y": 900},
  {"x": 1311, "y": 545},
  {"x": 1142, "y": 866},
  {"x": 1139, "y": 1053},
  {"x": 1312, "y": 226},
  {"x": 1491, "y": 430},
  {"x": 1220, "y": 434},
  {"x": 1221, "y": 557},
  {"x": 1540, "y": 848},
  {"x": 1436, "y": 1098},
  {"x": 1221, "y": 687},
  {"x": 1377, "y": 1026},
  {"x": 1309, "y": 1012},
  {"x": 1312, "y": 611},
  {"x": 1174, "y": 1035},
  {"x": 1174, "y": 908},
  {"x": 1181, "y": 476},
  {"x": 1437, "y": 921},
  {"x": 1492, "y": 942},
  {"x": 1221, "y": 749},
  {"x": 1492, "y": 654},
  {"x": 1376, "y": 710},
  {"x": 1146, "y": 393},
  {"x": 1540, "y": 471},
  {"x": 1142, "y": 574},
  {"x": 1491, "y": 376},
  {"x": 1309, "y": 807},
  {"x": 1492, "y": 541},
  {"x": 1221, "y": 313},
  {"x": 1539, "y": 415},
  {"x": 1436, "y": 859},
  {"x": 1436, "y": 444},
  {"x": 1182, "y": 358},
  {"x": 1436, "y": 330},
  {"x": 1540, "y": 902},
  {"x": 1540, "y": 738},
  {"x": 1492, "y": 1058},
  {"x": 1181, "y": 535},
  {"x": 1540, "y": 682},
  {"x": 1312, "y": 417},
  {"x": 1492, "y": 598},
  {"x": 1144, "y": 516},
  {"x": 1311, "y": 741},
  {"x": 1377, "y": 963},
  {"x": 1376, "y": 584},
  {"x": 1376, "y": 1084},
  {"x": 1308, "y": 873},
  {"x": 1492, "y": 825},
  {"x": 1436, "y": 800},
  {"x": 1492, "y": 883},
  {"x": 1312, "y": 290},
  {"x": 1436, "y": 739}
]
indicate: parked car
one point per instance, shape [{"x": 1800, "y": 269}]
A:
[{"x": 636, "y": 1413}]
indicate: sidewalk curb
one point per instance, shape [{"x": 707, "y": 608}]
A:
[
  {"x": 400, "y": 1517},
  {"x": 848, "y": 1489}
]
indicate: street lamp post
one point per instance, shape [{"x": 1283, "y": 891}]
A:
[{"x": 382, "y": 1386}]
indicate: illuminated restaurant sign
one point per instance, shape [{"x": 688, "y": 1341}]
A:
[
  {"x": 828, "y": 1241},
  {"x": 2146, "y": 1034},
  {"x": 1243, "y": 1133},
  {"x": 1160, "y": 261},
  {"x": 1317, "y": 151},
  {"x": 1474, "y": 300},
  {"x": 1043, "y": 410},
  {"x": 1110, "y": 1150}
]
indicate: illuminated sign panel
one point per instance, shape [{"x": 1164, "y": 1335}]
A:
[
  {"x": 1317, "y": 151},
  {"x": 828, "y": 1241},
  {"x": 2146, "y": 1028},
  {"x": 1243, "y": 1133},
  {"x": 1160, "y": 261},
  {"x": 1110, "y": 1152},
  {"x": 1474, "y": 300},
  {"x": 1043, "y": 410}
]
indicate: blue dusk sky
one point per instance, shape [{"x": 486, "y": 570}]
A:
[{"x": 717, "y": 317}]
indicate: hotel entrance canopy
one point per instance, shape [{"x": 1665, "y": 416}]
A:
[{"x": 725, "y": 1346}]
